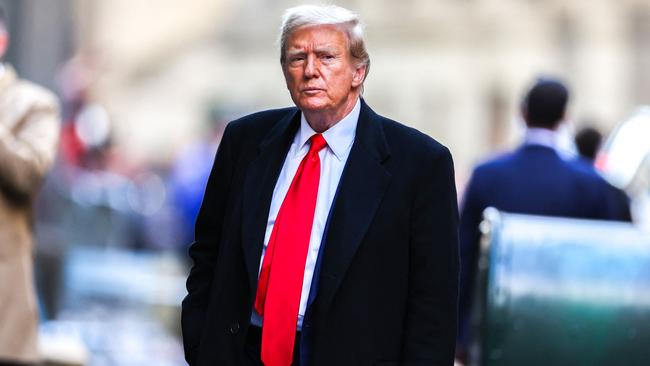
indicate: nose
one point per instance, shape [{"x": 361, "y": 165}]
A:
[{"x": 311, "y": 68}]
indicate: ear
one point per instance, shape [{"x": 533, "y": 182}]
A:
[{"x": 358, "y": 75}]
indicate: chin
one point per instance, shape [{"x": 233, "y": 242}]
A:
[{"x": 312, "y": 105}]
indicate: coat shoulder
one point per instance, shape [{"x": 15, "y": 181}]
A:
[
  {"x": 252, "y": 128},
  {"x": 263, "y": 120},
  {"x": 494, "y": 165},
  {"x": 411, "y": 140}
]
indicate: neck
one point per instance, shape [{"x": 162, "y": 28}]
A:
[
  {"x": 321, "y": 121},
  {"x": 541, "y": 136}
]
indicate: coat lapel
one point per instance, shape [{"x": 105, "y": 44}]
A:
[
  {"x": 360, "y": 192},
  {"x": 262, "y": 175}
]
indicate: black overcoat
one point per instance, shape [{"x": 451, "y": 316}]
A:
[{"x": 387, "y": 281}]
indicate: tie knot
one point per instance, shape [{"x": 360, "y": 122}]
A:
[{"x": 317, "y": 143}]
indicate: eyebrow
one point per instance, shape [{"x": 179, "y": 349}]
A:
[
  {"x": 320, "y": 50},
  {"x": 326, "y": 49},
  {"x": 295, "y": 52}
]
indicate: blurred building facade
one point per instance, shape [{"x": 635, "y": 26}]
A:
[
  {"x": 42, "y": 37},
  {"x": 161, "y": 72},
  {"x": 454, "y": 69}
]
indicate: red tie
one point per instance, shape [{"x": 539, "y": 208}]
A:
[{"x": 280, "y": 283}]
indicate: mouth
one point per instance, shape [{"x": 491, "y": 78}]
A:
[{"x": 311, "y": 90}]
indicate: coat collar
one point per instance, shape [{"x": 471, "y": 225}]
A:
[
  {"x": 360, "y": 192},
  {"x": 261, "y": 177},
  {"x": 370, "y": 132}
]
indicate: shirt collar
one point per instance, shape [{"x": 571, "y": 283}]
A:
[
  {"x": 339, "y": 137},
  {"x": 541, "y": 136}
]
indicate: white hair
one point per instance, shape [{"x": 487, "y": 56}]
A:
[{"x": 306, "y": 15}]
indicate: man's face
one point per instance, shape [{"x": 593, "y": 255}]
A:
[{"x": 320, "y": 72}]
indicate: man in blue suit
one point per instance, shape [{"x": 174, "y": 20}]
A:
[{"x": 533, "y": 179}]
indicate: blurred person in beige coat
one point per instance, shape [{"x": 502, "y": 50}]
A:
[{"x": 29, "y": 132}]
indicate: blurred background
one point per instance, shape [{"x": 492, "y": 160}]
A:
[{"x": 147, "y": 87}]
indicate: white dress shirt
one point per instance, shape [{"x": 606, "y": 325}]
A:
[
  {"x": 561, "y": 140},
  {"x": 339, "y": 139},
  {"x": 541, "y": 136}
]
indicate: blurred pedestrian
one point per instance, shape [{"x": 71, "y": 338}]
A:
[
  {"x": 588, "y": 141},
  {"x": 328, "y": 233},
  {"x": 29, "y": 130},
  {"x": 188, "y": 177},
  {"x": 533, "y": 179}
]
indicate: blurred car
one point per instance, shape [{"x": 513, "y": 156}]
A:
[{"x": 624, "y": 161}]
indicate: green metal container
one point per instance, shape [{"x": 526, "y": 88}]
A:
[{"x": 555, "y": 291}]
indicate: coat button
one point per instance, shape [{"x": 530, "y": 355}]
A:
[{"x": 234, "y": 328}]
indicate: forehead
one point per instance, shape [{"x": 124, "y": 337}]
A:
[{"x": 327, "y": 35}]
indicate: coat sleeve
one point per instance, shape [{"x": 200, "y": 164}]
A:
[
  {"x": 205, "y": 249},
  {"x": 28, "y": 149},
  {"x": 430, "y": 330}
]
